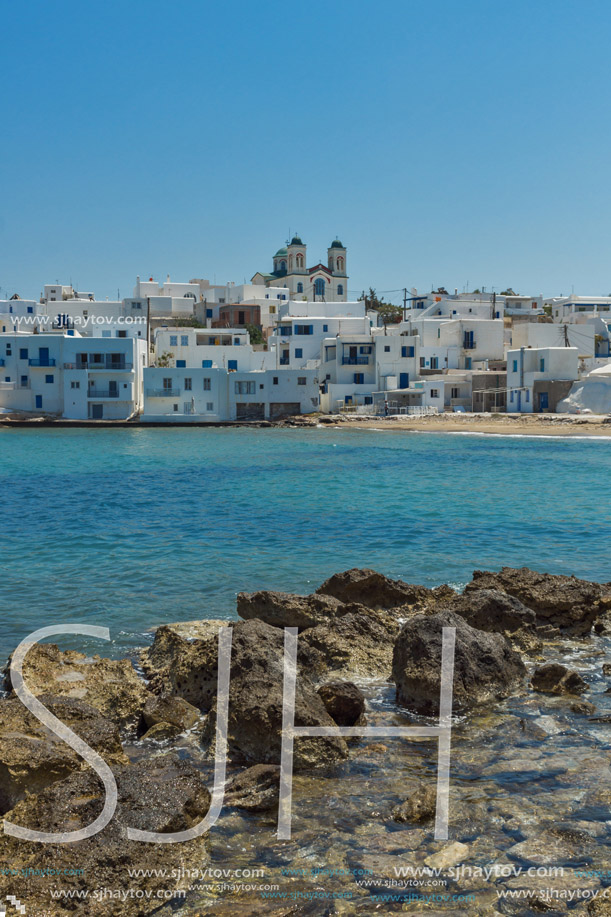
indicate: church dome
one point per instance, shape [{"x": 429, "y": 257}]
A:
[
  {"x": 296, "y": 241},
  {"x": 280, "y": 252},
  {"x": 336, "y": 244}
]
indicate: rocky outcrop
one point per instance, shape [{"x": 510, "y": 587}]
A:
[
  {"x": 284, "y": 609},
  {"x": 170, "y": 643},
  {"x": 485, "y": 665},
  {"x": 565, "y": 602},
  {"x": 358, "y": 643},
  {"x": 255, "y": 703},
  {"x": 256, "y": 788},
  {"x": 418, "y": 807},
  {"x": 367, "y": 587},
  {"x": 493, "y": 611},
  {"x": 162, "y": 795},
  {"x": 175, "y": 713},
  {"x": 344, "y": 702},
  {"x": 554, "y": 678},
  {"x": 110, "y": 685},
  {"x": 32, "y": 757}
]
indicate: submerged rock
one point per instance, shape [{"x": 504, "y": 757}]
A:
[
  {"x": 161, "y": 795},
  {"x": 565, "y": 602},
  {"x": 367, "y": 587},
  {"x": 110, "y": 685},
  {"x": 32, "y": 757},
  {"x": 419, "y": 806},
  {"x": 344, "y": 702},
  {"x": 554, "y": 678},
  {"x": 485, "y": 665},
  {"x": 284, "y": 609},
  {"x": 256, "y": 788}
]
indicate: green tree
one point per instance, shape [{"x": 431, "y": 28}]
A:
[
  {"x": 256, "y": 335},
  {"x": 165, "y": 360},
  {"x": 389, "y": 313}
]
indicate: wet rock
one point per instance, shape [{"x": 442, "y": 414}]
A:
[
  {"x": 485, "y": 665},
  {"x": 565, "y": 602},
  {"x": 554, "y": 678},
  {"x": 492, "y": 610},
  {"x": 160, "y": 732},
  {"x": 110, "y": 685},
  {"x": 171, "y": 642},
  {"x": 607, "y": 669},
  {"x": 583, "y": 707},
  {"x": 175, "y": 711},
  {"x": 185, "y": 666},
  {"x": 256, "y": 788},
  {"x": 284, "y": 609},
  {"x": 32, "y": 757},
  {"x": 448, "y": 856},
  {"x": 372, "y": 589},
  {"x": 419, "y": 806},
  {"x": 553, "y": 847},
  {"x": 162, "y": 795},
  {"x": 344, "y": 702},
  {"x": 359, "y": 642},
  {"x": 256, "y": 701}
]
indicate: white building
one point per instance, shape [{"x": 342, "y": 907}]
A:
[
  {"x": 321, "y": 282},
  {"x": 591, "y": 394},
  {"x": 537, "y": 377}
]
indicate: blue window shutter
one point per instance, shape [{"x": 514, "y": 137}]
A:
[
  {"x": 206, "y": 364},
  {"x": 181, "y": 364},
  {"x": 233, "y": 364}
]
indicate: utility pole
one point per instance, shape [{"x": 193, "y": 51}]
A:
[
  {"x": 404, "y": 303},
  {"x": 566, "y": 336}
]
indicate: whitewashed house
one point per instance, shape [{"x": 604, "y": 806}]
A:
[{"x": 539, "y": 377}]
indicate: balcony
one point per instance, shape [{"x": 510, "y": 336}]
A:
[
  {"x": 163, "y": 393},
  {"x": 105, "y": 365},
  {"x": 469, "y": 344},
  {"x": 48, "y": 362},
  {"x": 7, "y": 386},
  {"x": 284, "y": 361},
  {"x": 105, "y": 393},
  {"x": 355, "y": 361}
]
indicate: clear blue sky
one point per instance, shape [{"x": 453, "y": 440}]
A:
[{"x": 443, "y": 142}]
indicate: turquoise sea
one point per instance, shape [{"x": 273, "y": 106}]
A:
[{"x": 132, "y": 527}]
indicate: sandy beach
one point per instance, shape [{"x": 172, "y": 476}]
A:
[{"x": 499, "y": 424}]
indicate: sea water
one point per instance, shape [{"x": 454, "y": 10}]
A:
[{"x": 131, "y": 527}]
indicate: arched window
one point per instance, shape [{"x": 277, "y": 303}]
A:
[
  {"x": 340, "y": 289},
  {"x": 340, "y": 264},
  {"x": 283, "y": 265},
  {"x": 290, "y": 262},
  {"x": 319, "y": 286},
  {"x": 300, "y": 287},
  {"x": 299, "y": 260}
]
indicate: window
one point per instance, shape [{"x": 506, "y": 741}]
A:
[
  {"x": 209, "y": 405},
  {"x": 49, "y": 379},
  {"x": 434, "y": 393},
  {"x": 206, "y": 364},
  {"x": 455, "y": 393},
  {"x": 319, "y": 286},
  {"x": 241, "y": 318},
  {"x": 304, "y": 329},
  {"x": 30, "y": 309},
  {"x": 232, "y": 365},
  {"x": 434, "y": 362},
  {"x": 386, "y": 348},
  {"x": 300, "y": 288},
  {"x": 541, "y": 365},
  {"x": 121, "y": 334},
  {"x": 359, "y": 378},
  {"x": 527, "y": 396},
  {"x": 325, "y": 328},
  {"x": 207, "y": 385},
  {"x": 136, "y": 305},
  {"x": 181, "y": 364},
  {"x": 515, "y": 366},
  {"x": 24, "y": 382},
  {"x": 368, "y": 399},
  {"x": 184, "y": 340},
  {"x": 8, "y": 350},
  {"x": 209, "y": 313},
  {"x": 366, "y": 349},
  {"x": 511, "y": 397},
  {"x": 407, "y": 351},
  {"x": 245, "y": 388},
  {"x": 340, "y": 289},
  {"x": 285, "y": 331},
  {"x": 301, "y": 380},
  {"x": 422, "y": 362},
  {"x": 272, "y": 310},
  {"x": 261, "y": 385},
  {"x": 275, "y": 380},
  {"x": 236, "y": 341},
  {"x": 167, "y": 384},
  {"x": 467, "y": 363},
  {"x": 75, "y": 385},
  {"x": 298, "y": 353},
  {"x": 23, "y": 353},
  {"x": 173, "y": 340},
  {"x": 176, "y": 408},
  {"x": 188, "y": 385}
]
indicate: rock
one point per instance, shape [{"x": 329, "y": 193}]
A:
[
  {"x": 32, "y": 757},
  {"x": 170, "y": 643},
  {"x": 420, "y": 806},
  {"x": 448, "y": 856},
  {"x": 553, "y": 847},
  {"x": 372, "y": 589},
  {"x": 162, "y": 795},
  {"x": 493, "y": 611},
  {"x": 563, "y": 601},
  {"x": 110, "y": 685},
  {"x": 344, "y": 702},
  {"x": 607, "y": 669},
  {"x": 485, "y": 665},
  {"x": 256, "y": 788},
  {"x": 583, "y": 707},
  {"x": 160, "y": 732},
  {"x": 175, "y": 711},
  {"x": 554, "y": 678},
  {"x": 256, "y": 700},
  {"x": 283, "y": 609},
  {"x": 359, "y": 642}
]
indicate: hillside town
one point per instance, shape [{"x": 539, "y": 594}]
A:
[{"x": 292, "y": 342}]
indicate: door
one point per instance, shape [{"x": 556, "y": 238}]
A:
[
  {"x": 403, "y": 380},
  {"x": 43, "y": 356},
  {"x": 353, "y": 354},
  {"x": 543, "y": 401},
  {"x": 97, "y": 411},
  {"x": 39, "y": 401},
  {"x": 113, "y": 389},
  {"x": 519, "y": 401}
]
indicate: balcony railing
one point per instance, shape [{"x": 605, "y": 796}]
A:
[
  {"x": 97, "y": 364},
  {"x": 468, "y": 344},
  {"x": 7, "y": 386},
  {"x": 48, "y": 362},
  {"x": 163, "y": 392},
  {"x": 355, "y": 361},
  {"x": 284, "y": 361},
  {"x": 104, "y": 393}
]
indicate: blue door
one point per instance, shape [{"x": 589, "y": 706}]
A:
[
  {"x": 39, "y": 401},
  {"x": 543, "y": 401},
  {"x": 519, "y": 402},
  {"x": 404, "y": 380},
  {"x": 43, "y": 356}
]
